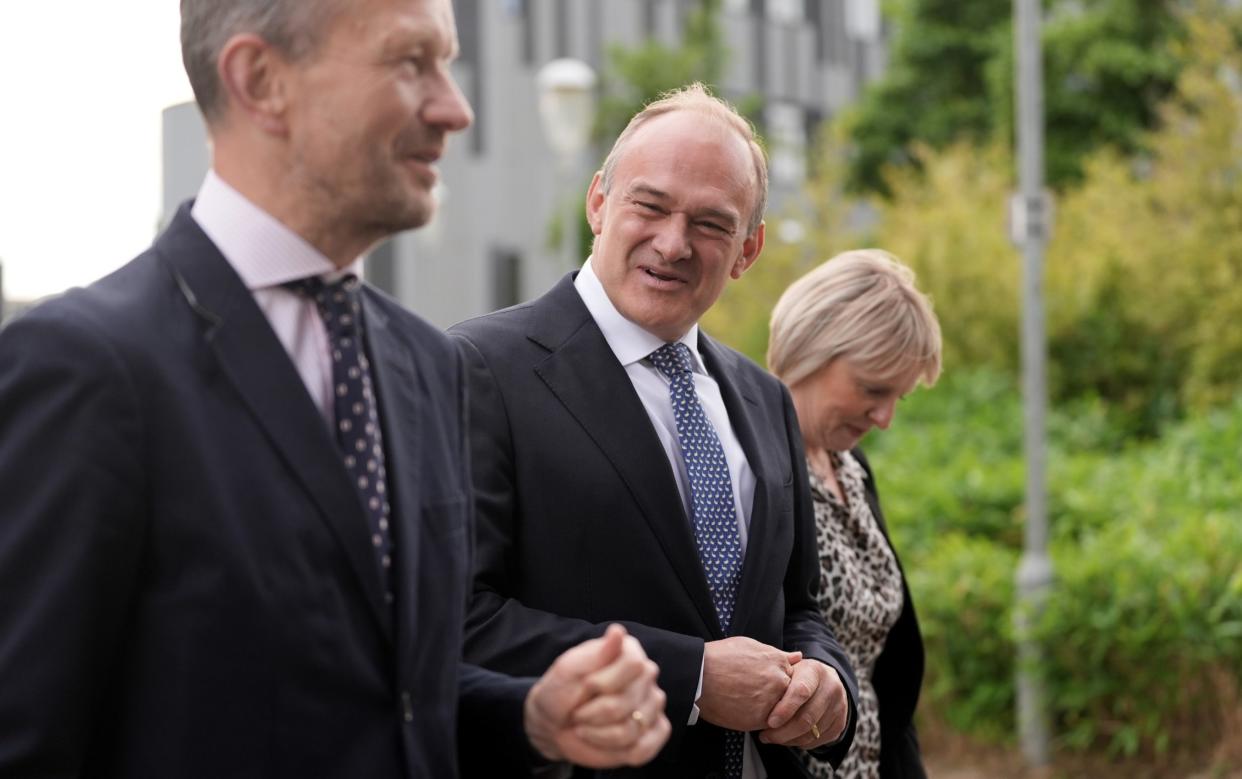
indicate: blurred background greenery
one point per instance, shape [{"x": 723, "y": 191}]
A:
[{"x": 1144, "y": 299}]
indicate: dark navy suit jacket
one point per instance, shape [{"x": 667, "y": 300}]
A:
[
  {"x": 581, "y": 523},
  {"x": 186, "y": 583}
]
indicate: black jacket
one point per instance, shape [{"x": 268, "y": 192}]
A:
[{"x": 898, "y": 672}]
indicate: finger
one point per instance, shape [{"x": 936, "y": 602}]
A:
[
  {"x": 809, "y": 727},
  {"x": 801, "y": 727},
  {"x": 590, "y": 656},
  {"x": 802, "y": 687},
  {"x": 566, "y": 689},
  {"x": 641, "y": 695},
  {"x": 837, "y": 712},
  {"x": 651, "y": 742},
  {"x": 622, "y": 733},
  {"x": 797, "y": 732},
  {"x": 630, "y": 664},
  {"x": 617, "y": 737}
]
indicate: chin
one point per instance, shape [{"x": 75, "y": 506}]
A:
[
  {"x": 411, "y": 214},
  {"x": 844, "y": 442}
]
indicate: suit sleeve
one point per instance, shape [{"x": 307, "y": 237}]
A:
[
  {"x": 502, "y": 632},
  {"x": 491, "y": 738},
  {"x": 71, "y": 523},
  {"x": 804, "y": 625},
  {"x": 491, "y": 732}
]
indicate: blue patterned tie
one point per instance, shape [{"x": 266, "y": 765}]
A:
[
  {"x": 711, "y": 498},
  {"x": 357, "y": 423}
]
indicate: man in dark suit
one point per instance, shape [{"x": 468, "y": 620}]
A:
[
  {"x": 235, "y": 535},
  {"x": 629, "y": 468}
]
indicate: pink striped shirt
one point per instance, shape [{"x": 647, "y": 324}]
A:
[{"x": 265, "y": 253}]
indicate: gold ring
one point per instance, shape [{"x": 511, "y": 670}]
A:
[
  {"x": 815, "y": 731},
  {"x": 639, "y": 718}
]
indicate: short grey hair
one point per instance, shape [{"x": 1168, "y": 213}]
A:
[
  {"x": 295, "y": 27},
  {"x": 697, "y": 97},
  {"x": 861, "y": 305}
]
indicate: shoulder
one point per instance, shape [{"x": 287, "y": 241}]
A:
[
  {"x": 118, "y": 313},
  {"x": 499, "y": 327},
  {"x": 407, "y": 324},
  {"x": 741, "y": 369},
  {"x": 549, "y": 321}
]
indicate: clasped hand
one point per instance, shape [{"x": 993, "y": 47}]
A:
[
  {"x": 750, "y": 686},
  {"x": 598, "y": 705}
]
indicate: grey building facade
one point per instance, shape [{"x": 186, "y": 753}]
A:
[{"x": 489, "y": 246}]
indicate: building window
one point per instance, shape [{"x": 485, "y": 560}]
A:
[
  {"x": 506, "y": 273},
  {"x": 862, "y": 19},
  {"x": 785, "y": 11}
]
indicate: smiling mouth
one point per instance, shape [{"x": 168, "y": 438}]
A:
[
  {"x": 662, "y": 277},
  {"x": 427, "y": 157},
  {"x": 424, "y": 166}
]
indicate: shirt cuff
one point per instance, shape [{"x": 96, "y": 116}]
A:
[{"x": 698, "y": 693}]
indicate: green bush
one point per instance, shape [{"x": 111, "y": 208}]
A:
[{"x": 1143, "y": 628}]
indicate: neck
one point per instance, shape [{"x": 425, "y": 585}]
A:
[
  {"x": 820, "y": 463},
  {"x": 258, "y": 177}
]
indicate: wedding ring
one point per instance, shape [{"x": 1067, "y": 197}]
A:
[{"x": 815, "y": 731}]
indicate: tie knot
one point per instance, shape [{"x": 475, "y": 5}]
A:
[
  {"x": 673, "y": 360},
  {"x": 337, "y": 301}
]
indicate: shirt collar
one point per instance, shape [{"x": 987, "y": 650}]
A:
[
  {"x": 628, "y": 341},
  {"x": 263, "y": 251}
]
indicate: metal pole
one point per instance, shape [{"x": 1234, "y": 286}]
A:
[{"x": 1034, "y": 576}]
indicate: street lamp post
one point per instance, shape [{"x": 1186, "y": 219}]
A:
[
  {"x": 567, "y": 108},
  {"x": 1031, "y": 217}
]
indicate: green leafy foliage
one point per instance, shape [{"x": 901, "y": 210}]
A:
[
  {"x": 1143, "y": 276},
  {"x": 1143, "y": 628},
  {"x": 1107, "y": 67}
]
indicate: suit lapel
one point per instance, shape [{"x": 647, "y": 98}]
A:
[
  {"x": 402, "y": 419},
  {"x": 255, "y": 362},
  {"x": 741, "y": 401},
  {"x": 586, "y": 378}
]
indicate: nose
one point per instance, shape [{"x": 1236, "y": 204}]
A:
[
  {"x": 447, "y": 108},
  {"x": 882, "y": 415},
  {"x": 670, "y": 238}
]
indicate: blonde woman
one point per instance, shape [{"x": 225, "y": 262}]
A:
[{"x": 850, "y": 339}]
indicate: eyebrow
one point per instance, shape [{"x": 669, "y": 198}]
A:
[
  {"x": 404, "y": 37},
  {"x": 641, "y": 188}
]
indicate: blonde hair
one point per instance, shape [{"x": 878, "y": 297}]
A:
[
  {"x": 861, "y": 305},
  {"x": 697, "y": 97}
]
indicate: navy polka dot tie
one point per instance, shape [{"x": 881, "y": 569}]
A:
[
  {"x": 357, "y": 423},
  {"x": 711, "y": 498}
]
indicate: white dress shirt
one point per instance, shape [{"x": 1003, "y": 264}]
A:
[
  {"x": 631, "y": 345},
  {"x": 266, "y": 254}
]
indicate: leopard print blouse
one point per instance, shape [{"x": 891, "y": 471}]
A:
[{"x": 860, "y": 596}]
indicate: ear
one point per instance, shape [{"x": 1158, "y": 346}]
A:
[
  {"x": 595, "y": 200},
  {"x": 252, "y": 75},
  {"x": 750, "y": 252}
]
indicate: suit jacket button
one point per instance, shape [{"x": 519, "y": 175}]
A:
[{"x": 407, "y": 707}]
